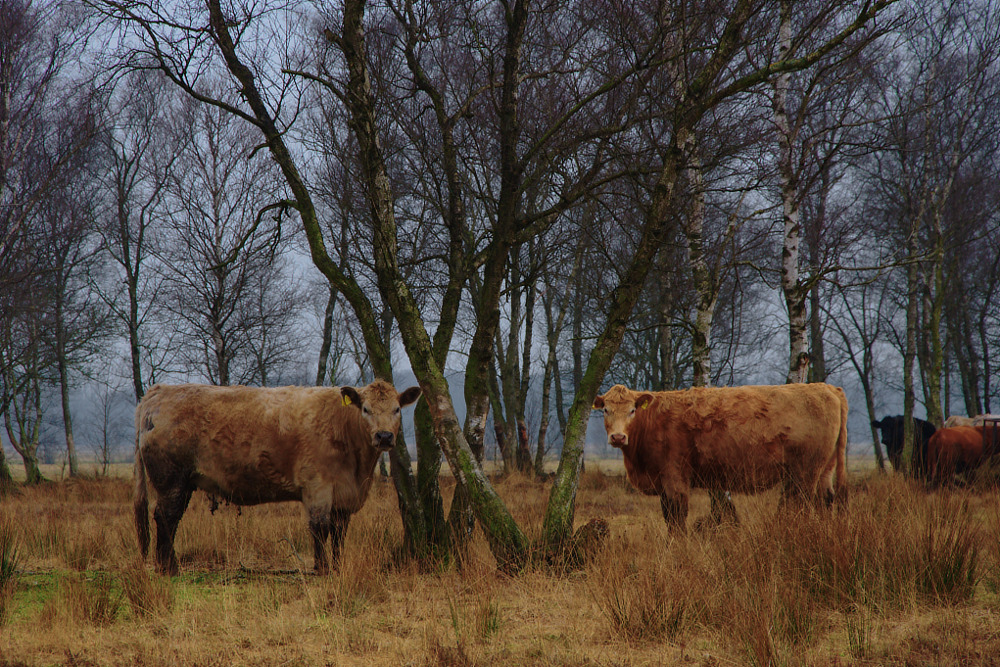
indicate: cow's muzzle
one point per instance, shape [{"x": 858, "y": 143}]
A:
[
  {"x": 618, "y": 439},
  {"x": 383, "y": 440}
]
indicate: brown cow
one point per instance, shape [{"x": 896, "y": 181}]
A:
[
  {"x": 957, "y": 420},
  {"x": 958, "y": 450},
  {"x": 251, "y": 445},
  {"x": 743, "y": 439}
]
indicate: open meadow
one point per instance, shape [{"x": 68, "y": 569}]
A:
[{"x": 905, "y": 577}]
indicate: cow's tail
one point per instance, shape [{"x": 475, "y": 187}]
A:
[
  {"x": 140, "y": 500},
  {"x": 840, "y": 494}
]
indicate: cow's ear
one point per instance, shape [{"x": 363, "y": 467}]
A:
[
  {"x": 598, "y": 402},
  {"x": 409, "y": 396},
  {"x": 351, "y": 396},
  {"x": 643, "y": 401}
]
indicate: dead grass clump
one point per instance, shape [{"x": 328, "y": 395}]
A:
[
  {"x": 83, "y": 549},
  {"x": 147, "y": 595},
  {"x": 440, "y": 654},
  {"x": 645, "y": 596},
  {"x": 762, "y": 611},
  {"x": 9, "y": 558},
  {"x": 85, "y": 600},
  {"x": 362, "y": 576},
  {"x": 594, "y": 479},
  {"x": 950, "y": 551}
]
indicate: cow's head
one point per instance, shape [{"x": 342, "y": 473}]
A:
[
  {"x": 620, "y": 405},
  {"x": 380, "y": 405}
]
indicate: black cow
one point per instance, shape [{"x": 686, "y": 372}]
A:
[{"x": 892, "y": 438}]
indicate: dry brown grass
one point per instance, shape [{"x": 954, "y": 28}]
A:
[{"x": 905, "y": 577}]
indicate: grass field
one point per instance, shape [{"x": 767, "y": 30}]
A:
[{"x": 904, "y": 577}]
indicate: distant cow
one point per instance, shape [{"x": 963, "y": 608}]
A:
[
  {"x": 252, "y": 445},
  {"x": 743, "y": 439},
  {"x": 959, "y": 450},
  {"x": 892, "y": 437},
  {"x": 978, "y": 420}
]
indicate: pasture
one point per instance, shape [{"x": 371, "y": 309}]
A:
[{"x": 905, "y": 577}]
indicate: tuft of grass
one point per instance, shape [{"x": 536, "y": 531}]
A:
[
  {"x": 488, "y": 619},
  {"x": 951, "y": 554},
  {"x": 860, "y": 625},
  {"x": 146, "y": 594},
  {"x": 644, "y": 601},
  {"x": 91, "y": 601},
  {"x": 81, "y": 551},
  {"x": 9, "y": 558}
]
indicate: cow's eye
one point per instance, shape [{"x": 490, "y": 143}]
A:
[
  {"x": 366, "y": 410},
  {"x": 632, "y": 412},
  {"x": 397, "y": 410}
]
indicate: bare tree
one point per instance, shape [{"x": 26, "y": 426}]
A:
[
  {"x": 220, "y": 244},
  {"x": 938, "y": 115},
  {"x": 41, "y": 129},
  {"x": 139, "y": 155}
]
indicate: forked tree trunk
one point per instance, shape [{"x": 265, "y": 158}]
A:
[{"x": 506, "y": 541}]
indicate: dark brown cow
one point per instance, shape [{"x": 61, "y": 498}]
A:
[
  {"x": 251, "y": 445},
  {"x": 743, "y": 439},
  {"x": 958, "y": 450}
]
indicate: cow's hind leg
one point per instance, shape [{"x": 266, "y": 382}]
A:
[{"x": 170, "y": 507}]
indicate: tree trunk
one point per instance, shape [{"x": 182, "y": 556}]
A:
[
  {"x": 6, "y": 479},
  {"x": 543, "y": 420},
  {"x": 558, "y": 524},
  {"x": 790, "y": 284},
  {"x": 327, "y": 340},
  {"x": 135, "y": 354},
  {"x": 910, "y": 349},
  {"x": 507, "y": 543},
  {"x": 23, "y": 428},
  {"x": 936, "y": 351},
  {"x": 61, "y": 368},
  {"x": 302, "y": 200}
]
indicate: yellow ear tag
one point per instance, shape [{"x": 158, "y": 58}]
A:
[
  {"x": 645, "y": 405},
  {"x": 347, "y": 401}
]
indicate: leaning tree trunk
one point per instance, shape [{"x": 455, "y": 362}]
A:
[
  {"x": 558, "y": 524},
  {"x": 412, "y": 516},
  {"x": 506, "y": 540}
]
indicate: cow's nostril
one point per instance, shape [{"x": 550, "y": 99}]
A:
[{"x": 384, "y": 438}]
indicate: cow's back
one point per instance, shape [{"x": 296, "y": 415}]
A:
[
  {"x": 954, "y": 449},
  {"x": 247, "y": 444},
  {"x": 741, "y": 438}
]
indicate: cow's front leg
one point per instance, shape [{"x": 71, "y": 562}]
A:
[
  {"x": 339, "y": 519},
  {"x": 675, "y": 510},
  {"x": 319, "y": 528}
]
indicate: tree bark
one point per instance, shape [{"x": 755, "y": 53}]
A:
[
  {"x": 790, "y": 284},
  {"x": 327, "y": 340}
]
